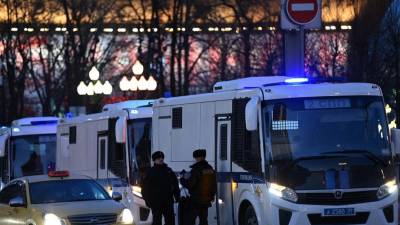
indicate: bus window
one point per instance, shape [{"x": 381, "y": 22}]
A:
[{"x": 140, "y": 148}]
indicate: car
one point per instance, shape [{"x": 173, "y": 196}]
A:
[{"x": 60, "y": 199}]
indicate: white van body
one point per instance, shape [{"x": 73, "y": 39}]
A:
[
  {"x": 28, "y": 147},
  {"x": 279, "y": 150},
  {"x": 112, "y": 147}
]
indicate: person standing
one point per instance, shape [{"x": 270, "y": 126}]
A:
[
  {"x": 160, "y": 187},
  {"x": 202, "y": 187}
]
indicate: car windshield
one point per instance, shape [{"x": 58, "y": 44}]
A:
[
  {"x": 71, "y": 190},
  {"x": 33, "y": 155},
  {"x": 311, "y": 137}
]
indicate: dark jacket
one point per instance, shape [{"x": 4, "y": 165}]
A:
[
  {"x": 160, "y": 186},
  {"x": 202, "y": 183}
]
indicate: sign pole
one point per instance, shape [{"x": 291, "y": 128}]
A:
[
  {"x": 302, "y": 51},
  {"x": 296, "y": 17}
]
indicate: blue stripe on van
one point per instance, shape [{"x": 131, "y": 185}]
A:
[
  {"x": 222, "y": 177},
  {"x": 239, "y": 177}
]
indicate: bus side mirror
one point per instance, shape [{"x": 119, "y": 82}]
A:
[
  {"x": 251, "y": 113},
  {"x": 3, "y": 142},
  {"x": 396, "y": 140},
  {"x": 120, "y": 130}
]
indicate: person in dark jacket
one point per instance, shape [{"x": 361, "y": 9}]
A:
[
  {"x": 160, "y": 187},
  {"x": 202, "y": 188}
]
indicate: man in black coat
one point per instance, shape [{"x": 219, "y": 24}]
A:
[
  {"x": 160, "y": 186},
  {"x": 202, "y": 188}
]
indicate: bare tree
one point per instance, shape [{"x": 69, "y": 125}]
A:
[
  {"x": 14, "y": 64},
  {"x": 82, "y": 42}
]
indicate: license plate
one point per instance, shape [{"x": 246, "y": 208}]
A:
[{"x": 339, "y": 212}]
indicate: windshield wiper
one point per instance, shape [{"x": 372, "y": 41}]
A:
[{"x": 369, "y": 155}]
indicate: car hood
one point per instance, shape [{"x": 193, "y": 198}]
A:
[{"x": 66, "y": 209}]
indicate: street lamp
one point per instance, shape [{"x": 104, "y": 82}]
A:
[
  {"x": 137, "y": 68},
  {"x": 124, "y": 84},
  {"x": 107, "y": 88},
  {"x": 81, "y": 89},
  {"x": 94, "y": 74},
  {"x": 133, "y": 84},
  {"x": 98, "y": 88},
  {"x": 139, "y": 83},
  {"x": 151, "y": 84},
  {"x": 90, "y": 89},
  {"x": 95, "y": 86}
]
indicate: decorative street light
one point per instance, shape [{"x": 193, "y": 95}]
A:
[
  {"x": 98, "y": 88},
  {"x": 94, "y": 74},
  {"x": 151, "y": 84},
  {"x": 90, "y": 89},
  {"x": 142, "y": 84},
  {"x": 138, "y": 83},
  {"x": 137, "y": 68},
  {"x": 124, "y": 84},
  {"x": 133, "y": 84},
  {"x": 95, "y": 86},
  {"x": 81, "y": 89},
  {"x": 107, "y": 88}
]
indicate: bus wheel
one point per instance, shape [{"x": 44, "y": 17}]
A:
[{"x": 250, "y": 217}]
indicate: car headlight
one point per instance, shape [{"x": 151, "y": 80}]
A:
[
  {"x": 136, "y": 190},
  {"x": 387, "y": 189},
  {"x": 125, "y": 217},
  {"x": 283, "y": 192},
  {"x": 52, "y": 219}
]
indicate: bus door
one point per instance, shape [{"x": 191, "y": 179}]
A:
[
  {"x": 224, "y": 168},
  {"x": 102, "y": 156}
]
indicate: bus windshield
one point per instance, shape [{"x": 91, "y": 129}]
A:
[
  {"x": 32, "y": 155},
  {"x": 140, "y": 148},
  {"x": 328, "y": 143}
]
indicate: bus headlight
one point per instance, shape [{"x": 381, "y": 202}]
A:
[
  {"x": 387, "y": 189},
  {"x": 125, "y": 217},
  {"x": 52, "y": 219},
  {"x": 285, "y": 193}
]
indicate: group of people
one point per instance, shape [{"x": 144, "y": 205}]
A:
[{"x": 160, "y": 189}]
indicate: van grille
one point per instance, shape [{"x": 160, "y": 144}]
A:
[
  {"x": 93, "y": 219},
  {"x": 330, "y": 199}
]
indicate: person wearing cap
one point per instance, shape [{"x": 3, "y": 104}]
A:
[
  {"x": 202, "y": 187},
  {"x": 160, "y": 187}
]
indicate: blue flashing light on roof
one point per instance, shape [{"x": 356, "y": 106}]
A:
[
  {"x": 44, "y": 122},
  {"x": 297, "y": 80}
]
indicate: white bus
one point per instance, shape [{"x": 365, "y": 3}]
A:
[
  {"x": 287, "y": 152},
  {"x": 28, "y": 147},
  {"x": 113, "y": 147}
]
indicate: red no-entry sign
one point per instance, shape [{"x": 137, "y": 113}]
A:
[{"x": 302, "y": 11}]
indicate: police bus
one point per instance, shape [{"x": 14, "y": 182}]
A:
[
  {"x": 113, "y": 147},
  {"x": 286, "y": 151},
  {"x": 28, "y": 147}
]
